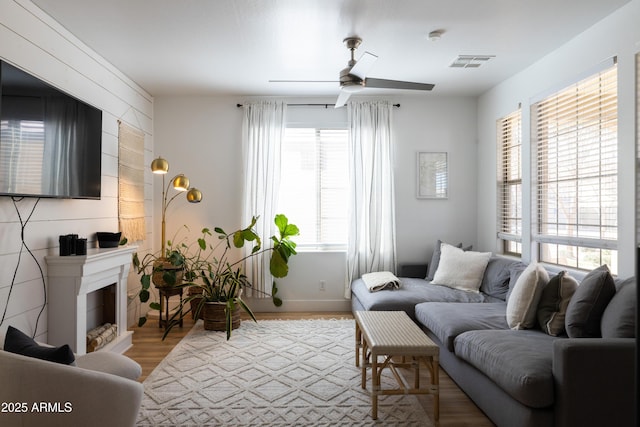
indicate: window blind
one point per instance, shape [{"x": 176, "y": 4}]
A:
[
  {"x": 509, "y": 131},
  {"x": 25, "y": 137},
  {"x": 575, "y": 135},
  {"x": 313, "y": 188}
]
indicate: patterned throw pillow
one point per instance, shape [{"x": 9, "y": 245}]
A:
[{"x": 554, "y": 302}]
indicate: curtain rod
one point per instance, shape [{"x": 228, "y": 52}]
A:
[{"x": 313, "y": 105}]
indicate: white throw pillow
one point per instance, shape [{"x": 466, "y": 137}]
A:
[
  {"x": 525, "y": 296},
  {"x": 461, "y": 269}
]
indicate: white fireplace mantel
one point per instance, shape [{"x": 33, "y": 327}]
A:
[{"x": 71, "y": 278}]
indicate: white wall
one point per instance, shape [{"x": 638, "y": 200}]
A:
[
  {"x": 31, "y": 40},
  {"x": 617, "y": 35},
  {"x": 435, "y": 124},
  {"x": 201, "y": 137}
]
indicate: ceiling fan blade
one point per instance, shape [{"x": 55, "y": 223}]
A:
[
  {"x": 304, "y": 81},
  {"x": 396, "y": 84},
  {"x": 342, "y": 98},
  {"x": 363, "y": 66}
]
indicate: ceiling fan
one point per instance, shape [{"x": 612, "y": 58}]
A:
[{"x": 354, "y": 78}]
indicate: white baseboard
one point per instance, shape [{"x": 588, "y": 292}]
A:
[
  {"x": 266, "y": 305},
  {"x": 288, "y": 306}
]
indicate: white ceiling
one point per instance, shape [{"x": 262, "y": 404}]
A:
[{"x": 237, "y": 46}]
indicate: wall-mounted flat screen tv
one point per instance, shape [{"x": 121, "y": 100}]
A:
[{"x": 50, "y": 142}]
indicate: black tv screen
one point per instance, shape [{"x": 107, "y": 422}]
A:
[{"x": 50, "y": 142}]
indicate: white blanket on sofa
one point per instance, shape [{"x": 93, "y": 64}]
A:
[{"x": 380, "y": 280}]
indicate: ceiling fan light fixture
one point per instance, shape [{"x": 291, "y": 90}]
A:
[{"x": 353, "y": 87}]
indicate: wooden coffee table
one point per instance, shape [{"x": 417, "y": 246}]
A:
[{"x": 394, "y": 336}]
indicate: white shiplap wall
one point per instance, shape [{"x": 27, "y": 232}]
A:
[{"x": 33, "y": 41}]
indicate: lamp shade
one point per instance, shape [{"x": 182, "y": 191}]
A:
[
  {"x": 181, "y": 183},
  {"x": 194, "y": 195},
  {"x": 159, "y": 166}
]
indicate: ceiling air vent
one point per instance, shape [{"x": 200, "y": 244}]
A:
[{"x": 470, "y": 61}]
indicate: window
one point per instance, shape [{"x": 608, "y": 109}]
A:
[
  {"x": 575, "y": 135},
  {"x": 313, "y": 186},
  {"x": 638, "y": 153},
  {"x": 510, "y": 183}
]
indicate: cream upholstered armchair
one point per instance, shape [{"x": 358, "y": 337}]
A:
[{"x": 101, "y": 390}]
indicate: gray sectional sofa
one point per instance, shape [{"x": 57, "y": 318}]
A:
[{"x": 524, "y": 377}]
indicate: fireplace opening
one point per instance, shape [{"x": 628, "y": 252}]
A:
[{"x": 101, "y": 317}]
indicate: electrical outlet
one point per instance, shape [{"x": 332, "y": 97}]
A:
[{"x": 322, "y": 285}]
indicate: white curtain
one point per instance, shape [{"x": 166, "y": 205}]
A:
[
  {"x": 61, "y": 149},
  {"x": 262, "y": 133},
  {"x": 371, "y": 241}
]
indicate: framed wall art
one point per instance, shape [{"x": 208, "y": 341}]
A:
[{"x": 432, "y": 175}]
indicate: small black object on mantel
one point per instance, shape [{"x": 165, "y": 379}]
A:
[
  {"x": 108, "y": 240},
  {"x": 68, "y": 244},
  {"x": 81, "y": 246}
]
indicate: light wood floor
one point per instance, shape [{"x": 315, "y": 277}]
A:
[{"x": 456, "y": 409}]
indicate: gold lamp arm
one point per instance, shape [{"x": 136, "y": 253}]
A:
[
  {"x": 183, "y": 186},
  {"x": 165, "y": 205},
  {"x": 180, "y": 183}
]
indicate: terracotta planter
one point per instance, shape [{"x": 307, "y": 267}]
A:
[
  {"x": 162, "y": 266},
  {"x": 213, "y": 314}
]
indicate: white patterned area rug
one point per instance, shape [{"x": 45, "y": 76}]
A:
[{"x": 270, "y": 373}]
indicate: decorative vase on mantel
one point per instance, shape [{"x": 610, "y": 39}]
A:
[{"x": 215, "y": 319}]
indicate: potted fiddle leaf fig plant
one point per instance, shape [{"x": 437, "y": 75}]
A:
[{"x": 219, "y": 280}]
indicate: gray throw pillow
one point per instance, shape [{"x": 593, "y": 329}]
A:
[
  {"x": 19, "y": 343},
  {"x": 497, "y": 275},
  {"x": 619, "y": 318},
  {"x": 588, "y": 303},
  {"x": 553, "y": 304}
]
